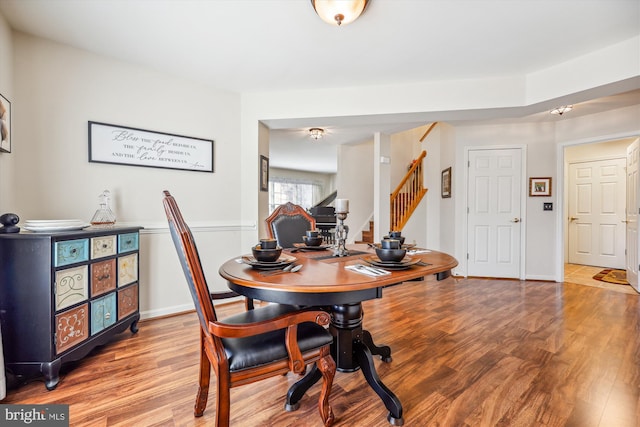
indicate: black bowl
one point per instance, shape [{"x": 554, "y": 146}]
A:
[
  {"x": 266, "y": 255},
  {"x": 391, "y": 255},
  {"x": 401, "y": 238},
  {"x": 312, "y": 241},
  {"x": 390, "y": 243}
]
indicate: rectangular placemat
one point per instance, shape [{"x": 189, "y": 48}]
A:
[{"x": 331, "y": 258}]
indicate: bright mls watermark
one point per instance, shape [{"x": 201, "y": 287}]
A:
[{"x": 34, "y": 415}]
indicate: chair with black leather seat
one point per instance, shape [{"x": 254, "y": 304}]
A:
[
  {"x": 288, "y": 223},
  {"x": 253, "y": 345}
]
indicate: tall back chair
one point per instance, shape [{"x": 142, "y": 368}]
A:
[
  {"x": 288, "y": 223},
  {"x": 253, "y": 345}
]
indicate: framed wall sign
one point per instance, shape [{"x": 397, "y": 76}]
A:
[
  {"x": 539, "y": 186},
  {"x": 264, "y": 173},
  {"x": 5, "y": 124},
  {"x": 446, "y": 183},
  {"x": 137, "y": 147}
]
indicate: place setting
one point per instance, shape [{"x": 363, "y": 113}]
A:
[
  {"x": 391, "y": 255},
  {"x": 312, "y": 242},
  {"x": 267, "y": 255}
]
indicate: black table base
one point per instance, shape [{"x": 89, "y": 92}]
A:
[{"x": 353, "y": 349}]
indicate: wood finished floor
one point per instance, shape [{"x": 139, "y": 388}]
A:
[{"x": 466, "y": 352}]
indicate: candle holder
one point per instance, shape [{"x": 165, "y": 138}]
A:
[{"x": 342, "y": 230}]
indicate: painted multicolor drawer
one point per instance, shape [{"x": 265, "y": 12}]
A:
[
  {"x": 127, "y": 301},
  {"x": 70, "y": 252},
  {"x": 72, "y": 327},
  {"x": 127, "y": 269},
  {"x": 103, "y": 277},
  {"x": 103, "y": 312},
  {"x": 71, "y": 286},
  {"x": 127, "y": 242},
  {"x": 103, "y": 246}
]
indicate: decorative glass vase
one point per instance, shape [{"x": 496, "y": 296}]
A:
[{"x": 104, "y": 216}]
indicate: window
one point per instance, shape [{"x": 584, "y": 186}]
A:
[{"x": 301, "y": 192}]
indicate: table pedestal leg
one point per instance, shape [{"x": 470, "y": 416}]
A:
[
  {"x": 383, "y": 351},
  {"x": 352, "y": 350},
  {"x": 391, "y": 401}
]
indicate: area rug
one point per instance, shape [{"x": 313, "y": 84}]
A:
[{"x": 610, "y": 275}]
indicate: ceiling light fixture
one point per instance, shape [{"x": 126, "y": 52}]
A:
[
  {"x": 561, "y": 110},
  {"x": 316, "y": 133},
  {"x": 338, "y": 12}
]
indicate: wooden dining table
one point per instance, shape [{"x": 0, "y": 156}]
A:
[{"x": 325, "y": 281}]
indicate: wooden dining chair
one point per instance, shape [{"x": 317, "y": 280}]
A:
[
  {"x": 253, "y": 345},
  {"x": 288, "y": 223}
]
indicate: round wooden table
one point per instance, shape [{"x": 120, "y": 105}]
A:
[{"x": 324, "y": 281}]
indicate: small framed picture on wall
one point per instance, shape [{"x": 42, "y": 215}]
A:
[
  {"x": 264, "y": 173},
  {"x": 446, "y": 183},
  {"x": 539, "y": 187},
  {"x": 5, "y": 125}
]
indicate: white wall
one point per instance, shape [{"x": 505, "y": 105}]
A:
[
  {"x": 57, "y": 90},
  {"x": 6, "y": 89},
  {"x": 445, "y": 240},
  {"x": 355, "y": 182},
  {"x": 537, "y": 141}
]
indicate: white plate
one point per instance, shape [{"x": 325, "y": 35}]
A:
[
  {"x": 54, "y": 223},
  {"x": 56, "y": 228}
]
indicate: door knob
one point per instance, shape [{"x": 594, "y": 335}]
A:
[
  {"x": 572, "y": 218},
  {"x": 515, "y": 220}
]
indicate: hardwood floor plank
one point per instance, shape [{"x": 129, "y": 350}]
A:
[{"x": 466, "y": 352}]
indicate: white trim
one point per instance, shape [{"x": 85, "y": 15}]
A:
[
  {"x": 183, "y": 308},
  {"x": 165, "y": 311},
  {"x": 543, "y": 278},
  {"x": 202, "y": 226}
]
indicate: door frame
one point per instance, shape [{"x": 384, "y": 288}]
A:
[
  {"x": 562, "y": 183},
  {"x": 524, "y": 187}
]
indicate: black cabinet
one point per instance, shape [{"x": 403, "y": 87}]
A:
[{"x": 62, "y": 294}]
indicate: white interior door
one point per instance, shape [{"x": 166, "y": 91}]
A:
[
  {"x": 597, "y": 213},
  {"x": 494, "y": 213},
  {"x": 633, "y": 209}
]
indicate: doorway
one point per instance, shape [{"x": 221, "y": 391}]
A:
[{"x": 602, "y": 243}]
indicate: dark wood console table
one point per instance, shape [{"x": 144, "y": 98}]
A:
[{"x": 324, "y": 281}]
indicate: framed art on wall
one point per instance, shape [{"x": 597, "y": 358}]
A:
[
  {"x": 539, "y": 186},
  {"x": 138, "y": 147},
  {"x": 264, "y": 173},
  {"x": 5, "y": 125},
  {"x": 446, "y": 183}
]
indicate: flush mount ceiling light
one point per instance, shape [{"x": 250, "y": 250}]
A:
[
  {"x": 316, "y": 133},
  {"x": 338, "y": 12},
  {"x": 561, "y": 110}
]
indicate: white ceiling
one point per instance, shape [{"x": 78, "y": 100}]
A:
[{"x": 273, "y": 45}]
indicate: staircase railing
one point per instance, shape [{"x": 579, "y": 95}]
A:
[{"x": 407, "y": 196}]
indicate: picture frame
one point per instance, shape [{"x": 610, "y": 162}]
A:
[
  {"x": 5, "y": 124},
  {"x": 540, "y": 187},
  {"x": 445, "y": 188},
  {"x": 264, "y": 173},
  {"x": 123, "y": 145}
]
